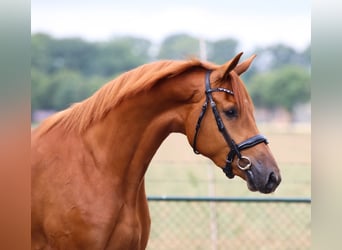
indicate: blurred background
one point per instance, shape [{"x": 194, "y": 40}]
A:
[{"x": 77, "y": 46}]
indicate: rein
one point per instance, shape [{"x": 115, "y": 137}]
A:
[{"x": 234, "y": 148}]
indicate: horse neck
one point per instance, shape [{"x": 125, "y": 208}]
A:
[{"x": 125, "y": 141}]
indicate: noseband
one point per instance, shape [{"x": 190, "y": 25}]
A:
[{"x": 234, "y": 148}]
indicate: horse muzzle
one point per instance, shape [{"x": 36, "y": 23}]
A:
[{"x": 263, "y": 182}]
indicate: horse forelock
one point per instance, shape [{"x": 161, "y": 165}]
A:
[
  {"x": 81, "y": 115},
  {"x": 241, "y": 95}
]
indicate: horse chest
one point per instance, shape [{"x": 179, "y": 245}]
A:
[{"x": 127, "y": 230}]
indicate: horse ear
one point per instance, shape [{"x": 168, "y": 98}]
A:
[
  {"x": 230, "y": 65},
  {"x": 242, "y": 67}
]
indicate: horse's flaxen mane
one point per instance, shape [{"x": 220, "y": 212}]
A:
[{"x": 81, "y": 115}]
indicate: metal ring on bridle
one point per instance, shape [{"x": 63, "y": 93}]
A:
[{"x": 245, "y": 167}]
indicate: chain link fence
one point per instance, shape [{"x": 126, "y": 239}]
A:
[{"x": 229, "y": 223}]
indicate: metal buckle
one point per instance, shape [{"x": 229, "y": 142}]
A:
[{"x": 246, "y": 166}]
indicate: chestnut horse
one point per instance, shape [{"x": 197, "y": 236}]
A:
[{"x": 89, "y": 161}]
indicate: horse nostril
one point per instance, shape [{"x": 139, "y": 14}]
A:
[
  {"x": 272, "y": 177},
  {"x": 272, "y": 181}
]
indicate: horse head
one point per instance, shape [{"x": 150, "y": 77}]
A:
[{"x": 226, "y": 130}]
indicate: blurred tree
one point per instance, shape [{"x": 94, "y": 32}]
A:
[
  {"x": 39, "y": 88},
  {"x": 179, "y": 46},
  {"x": 121, "y": 54},
  {"x": 109, "y": 58},
  {"x": 284, "y": 87},
  {"x": 64, "y": 89},
  {"x": 65, "y": 71},
  {"x": 276, "y": 56},
  {"x": 306, "y": 56},
  {"x": 41, "y": 52},
  {"x": 73, "y": 54},
  {"x": 50, "y": 55},
  {"x": 58, "y": 90},
  {"x": 221, "y": 51}
]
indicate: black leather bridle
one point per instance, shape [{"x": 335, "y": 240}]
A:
[{"x": 234, "y": 148}]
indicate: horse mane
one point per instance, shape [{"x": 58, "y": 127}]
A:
[{"x": 81, "y": 115}]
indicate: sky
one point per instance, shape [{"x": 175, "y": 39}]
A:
[{"x": 253, "y": 23}]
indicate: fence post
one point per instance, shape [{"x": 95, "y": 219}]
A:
[{"x": 212, "y": 205}]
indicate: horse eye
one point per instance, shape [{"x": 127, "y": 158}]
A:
[{"x": 231, "y": 113}]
